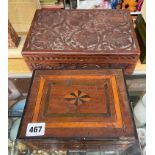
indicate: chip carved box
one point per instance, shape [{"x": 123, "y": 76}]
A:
[
  {"x": 82, "y": 110},
  {"x": 81, "y": 39}
]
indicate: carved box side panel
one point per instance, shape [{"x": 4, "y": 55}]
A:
[
  {"x": 130, "y": 59},
  {"x": 129, "y": 68},
  {"x": 46, "y": 62}
]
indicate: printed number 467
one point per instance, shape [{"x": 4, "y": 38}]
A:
[{"x": 35, "y": 129}]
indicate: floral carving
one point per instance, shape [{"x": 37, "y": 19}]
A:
[{"x": 81, "y": 30}]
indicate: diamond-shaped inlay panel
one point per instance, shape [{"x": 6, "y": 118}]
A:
[{"x": 77, "y": 98}]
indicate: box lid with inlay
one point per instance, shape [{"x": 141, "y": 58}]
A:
[{"x": 83, "y": 104}]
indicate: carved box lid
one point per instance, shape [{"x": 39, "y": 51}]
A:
[
  {"x": 81, "y": 32},
  {"x": 86, "y": 104}
]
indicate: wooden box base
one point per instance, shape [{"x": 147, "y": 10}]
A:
[{"x": 83, "y": 146}]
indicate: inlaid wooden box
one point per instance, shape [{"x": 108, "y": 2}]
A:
[
  {"x": 82, "y": 110},
  {"x": 81, "y": 39}
]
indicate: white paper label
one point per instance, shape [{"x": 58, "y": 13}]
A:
[{"x": 35, "y": 129}]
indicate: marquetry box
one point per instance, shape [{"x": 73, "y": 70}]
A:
[
  {"x": 81, "y": 109},
  {"x": 81, "y": 39}
]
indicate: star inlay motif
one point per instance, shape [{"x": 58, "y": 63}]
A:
[{"x": 77, "y": 98}]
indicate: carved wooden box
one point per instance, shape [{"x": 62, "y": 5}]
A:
[
  {"x": 82, "y": 109},
  {"x": 81, "y": 39}
]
